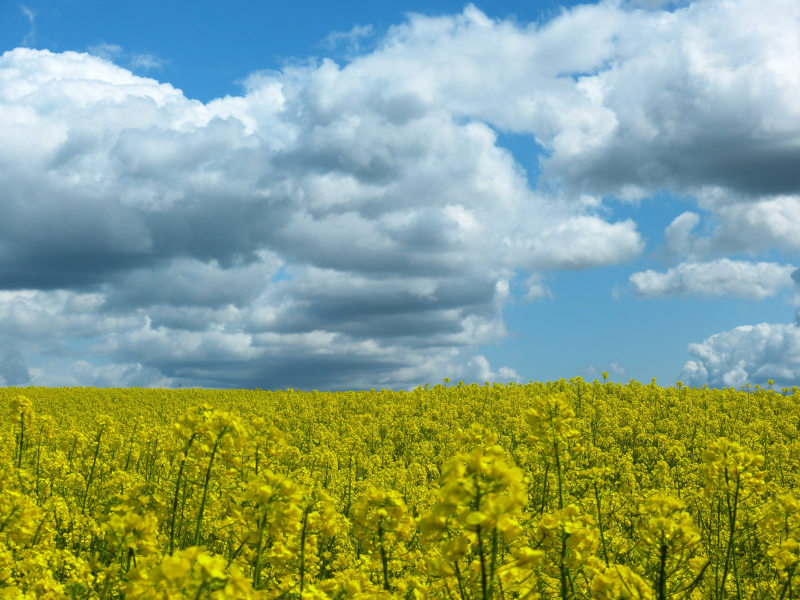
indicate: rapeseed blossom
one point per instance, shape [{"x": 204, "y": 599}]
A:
[{"x": 563, "y": 489}]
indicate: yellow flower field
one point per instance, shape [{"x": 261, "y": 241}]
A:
[{"x": 567, "y": 489}]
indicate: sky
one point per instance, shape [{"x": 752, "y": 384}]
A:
[{"x": 358, "y": 194}]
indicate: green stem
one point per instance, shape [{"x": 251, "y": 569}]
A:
[
  {"x": 600, "y": 522},
  {"x": 460, "y": 580},
  {"x": 21, "y": 438},
  {"x": 130, "y": 449},
  {"x": 788, "y": 585},
  {"x": 562, "y": 569},
  {"x": 732, "y": 510},
  {"x": 384, "y": 560},
  {"x": 259, "y": 549},
  {"x": 558, "y": 468},
  {"x": 662, "y": 572},
  {"x": 493, "y": 564},
  {"x": 177, "y": 490},
  {"x": 91, "y": 471},
  {"x": 482, "y": 554},
  {"x": 199, "y": 530},
  {"x": 303, "y": 553}
]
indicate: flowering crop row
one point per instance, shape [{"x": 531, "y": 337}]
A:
[{"x": 564, "y": 489}]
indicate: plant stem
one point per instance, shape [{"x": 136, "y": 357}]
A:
[
  {"x": 91, "y": 471},
  {"x": 303, "y": 553},
  {"x": 662, "y": 572},
  {"x": 259, "y": 549},
  {"x": 177, "y": 490},
  {"x": 199, "y": 530},
  {"x": 600, "y": 522},
  {"x": 732, "y": 510},
  {"x": 384, "y": 559},
  {"x": 21, "y": 437}
]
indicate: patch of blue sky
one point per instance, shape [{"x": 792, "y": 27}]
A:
[
  {"x": 526, "y": 151},
  {"x": 586, "y": 326},
  {"x": 283, "y": 274},
  {"x": 208, "y": 48}
]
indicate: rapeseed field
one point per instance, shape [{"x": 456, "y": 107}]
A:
[{"x": 565, "y": 489}]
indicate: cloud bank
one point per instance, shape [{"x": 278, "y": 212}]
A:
[
  {"x": 724, "y": 277},
  {"x": 358, "y": 225},
  {"x": 747, "y": 354}
]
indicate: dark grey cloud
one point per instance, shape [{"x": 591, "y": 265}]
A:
[
  {"x": 13, "y": 369},
  {"x": 387, "y": 308},
  {"x": 190, "y": 283}
]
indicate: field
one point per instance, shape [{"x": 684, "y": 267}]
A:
[{"x": 567, "y": 489}]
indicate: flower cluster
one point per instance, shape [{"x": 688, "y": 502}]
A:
[{"x": 564, "y": 489}]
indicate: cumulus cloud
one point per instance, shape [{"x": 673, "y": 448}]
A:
[
  {"x": 741, "y": 279},
  {"x": 358, "y": 224},
  {"x": 483, "y": 371},
  {"x": 31, "y": 17},
  {"x": 145, "y": 61},
  {"x": 735, "y": 224},
  {"x": 13, "y": 370},
  {"x": 148, "y": 229},
  {"x": 109, "y": 52},
  {"x": 351, "y": 40},
  {"x": 537, "y": 289},
  {"x": 748, "y": 354},
  {"x": 702, "y": 96}
]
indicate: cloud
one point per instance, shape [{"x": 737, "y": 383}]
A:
[
  {"x": 617, "y": 368},
  {"x": 748, "y": 354},
  {"x": 108, "y": 52},
  {"x": 151, "y": 227},
  {"x": 28, "y": 13},
  {"x": 625, "y": 102},
  {"x": 13, "y": 370},
  {"x": 537, "y": 289},
  {"x": 350, "y": 39},
  {"x": 737, "y": 278},
  {"x": 137, "y": 61},
  {"x": 31, "y": 16},
  {"x": 145, "y": 62},
  {"x": 357, "y": 224},
  {"x": 735, "y": 224},
  {"x": 484, "y": 372},
  {"x": 694, "y": 98}
]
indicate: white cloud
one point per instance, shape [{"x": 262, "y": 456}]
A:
[
  {"x": 83, "y": 373},
  {"x": 31, "y": 16},
  {"x": 741, "y": 279},
  {"x": 482, "y": 371},
  {"x": 106, "y": 51},
  {"x": 537, "y": 289},
  {"x": 350, "y": 39},
  {"x": 28, "y": 13},
  {"x": 156, "y": 230},
  {"x": 138, "y": 61},
  {"x": 702, "y": 96},
  {"x": 748, "y": 354},
  {"x": 145, "y": 61},
  {"x": 400, "y": 228},
  {"x": 678, "y": 235},
  {"x": 740, "y": 224}
]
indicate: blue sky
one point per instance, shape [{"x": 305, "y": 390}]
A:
[{"x": 321, "y": 195}]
